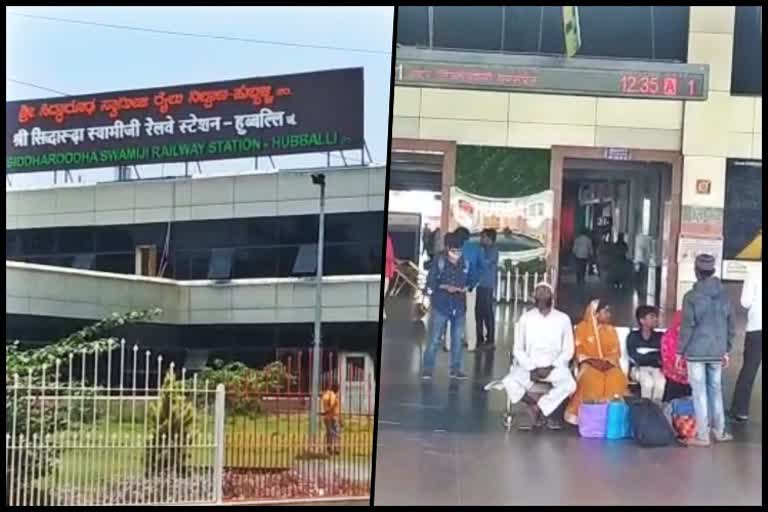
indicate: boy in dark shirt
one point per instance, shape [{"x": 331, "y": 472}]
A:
[{"x": 644, "y": 348}]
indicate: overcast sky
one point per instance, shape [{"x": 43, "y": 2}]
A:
[{"x": 82, "y": 59}]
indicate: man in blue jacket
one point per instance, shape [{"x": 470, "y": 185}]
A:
[
  {"x": 447, "y": 282},
  {"x": 706, "y": 338},
  {"x": 486, "y": 292},
  {"x": 473, "y": 254}
]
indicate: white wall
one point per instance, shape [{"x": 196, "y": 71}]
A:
[
  {"x": 351, "y": 189},
  {"x": 489, "y": 118},
  {"x": 71, "y": 293}
]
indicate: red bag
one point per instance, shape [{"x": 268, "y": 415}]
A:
[
  {"x": 669, "y": 367},
  {"x": 685, "y": 426}
]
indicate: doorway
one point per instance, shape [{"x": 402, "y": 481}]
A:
[
  {"x": 357, "y": 383},
  {"x": 635, "y": 199}
]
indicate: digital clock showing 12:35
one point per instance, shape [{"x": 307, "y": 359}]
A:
[{"x": 656, "y": 84}]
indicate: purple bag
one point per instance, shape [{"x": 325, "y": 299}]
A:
[{"x": 593, "y": 420}]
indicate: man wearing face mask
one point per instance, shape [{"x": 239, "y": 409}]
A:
[
  {"x": 447, "y": 282},
  {"x": 542, "y": 354}
]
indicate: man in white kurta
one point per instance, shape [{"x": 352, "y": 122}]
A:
[{"x": 541, "y": 354}]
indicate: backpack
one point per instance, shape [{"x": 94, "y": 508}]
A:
[{"x": 649, "y": 425}]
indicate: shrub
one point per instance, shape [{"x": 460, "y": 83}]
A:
[{"x": 246, "y": 386}]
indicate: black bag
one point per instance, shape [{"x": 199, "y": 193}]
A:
[{"x": 649, "y": 425}]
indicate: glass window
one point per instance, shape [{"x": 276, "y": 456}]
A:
[
  {"x": 220, "y": 266},
  {"x": 354, "y": 227},
  {"x": 521, "y": 28},
  {"x": 38, "y": 241},
  {"x": 456, "y": 27},
  {"x": 202, "y": 234},
  {"x": 287, "y": 260},
  {"x": 298, "y": 229},
  {"x": 12, "y": 244},
  {"x": 633, "y": 32},
  {"x": 412, "y": 25},
  {"x": 306, "y": 260},
  {"x": 117, "y": 263},
  {"x": 355, "y": 369},
  {"x": 253, "y": 263},
  {"x": 77, "y": 240},
  {"x": 199, "y": 264},
  {"x": 192, "y": 265},
  {"x": 262, "y": 231},
  {"x": 114, "y": 239},
  {"x": 375, "y": 258},
  {"x": 83, "y": 261},
  {"x": 347, "y": 259},
  {"x": 747, "y": 75}
]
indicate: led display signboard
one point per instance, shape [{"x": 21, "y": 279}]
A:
[
  {"x": 554, "y": 75},
  {"x": 278, "y": 115}
]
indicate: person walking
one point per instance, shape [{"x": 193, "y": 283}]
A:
[
  {"x": 582, "y": 253},
  {"x": 706, "y": 337},
  {"x": 752, "y": 300}
]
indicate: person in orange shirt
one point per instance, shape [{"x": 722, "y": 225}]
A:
[
  {"x": 331, "y": 418},
  {"x": 598, "y": 351}
]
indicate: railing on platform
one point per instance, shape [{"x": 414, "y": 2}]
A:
[{"x": 516, "y": 287}]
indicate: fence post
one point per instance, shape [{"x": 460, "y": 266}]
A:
[{"x": 218, "y": 433}]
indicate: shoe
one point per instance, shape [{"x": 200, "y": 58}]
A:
[
  {"x": 496, "y": 385},
  {"x": 529, "y": 420},
  {"x": 486, "y": 347},
  {"x": 554, "y": 423},
  {"x": 722, "y": 438},
  {"x": 425, "y": 375},
  {"x": 738, "y": 418},
  {"x": 695, "y": 441},
  {"x": 459, "y": 375}
]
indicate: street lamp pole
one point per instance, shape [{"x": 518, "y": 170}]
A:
[{"x": 319, "y": 180}]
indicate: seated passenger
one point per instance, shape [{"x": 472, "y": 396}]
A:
[
  {"x": 644, "y": 348},
  {"x": 597, "y": 354},
  {"x": 542, "y": 354}
]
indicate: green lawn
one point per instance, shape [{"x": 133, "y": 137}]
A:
[{"x": 113, "y": 451}]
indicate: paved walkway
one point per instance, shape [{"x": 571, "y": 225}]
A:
[{"x": 442, "y": 443}]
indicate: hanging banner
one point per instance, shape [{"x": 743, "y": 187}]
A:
[
  {"x": 523, "y": 224},
  {"x": 302, "y": 113}
]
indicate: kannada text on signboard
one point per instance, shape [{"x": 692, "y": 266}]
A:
[{"x": 310, "y": 112}]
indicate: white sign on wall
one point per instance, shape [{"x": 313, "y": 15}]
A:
[
  {"x": 737, "y": 270},
  {"x": 689, "y": 248}
]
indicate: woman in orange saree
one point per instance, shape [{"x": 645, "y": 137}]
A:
[{"x": 600, "y": 377}]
